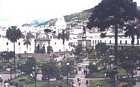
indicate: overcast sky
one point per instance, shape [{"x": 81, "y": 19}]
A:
[{"x": 22, "y": 11}]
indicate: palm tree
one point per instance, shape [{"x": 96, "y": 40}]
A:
[
  {"x": 27, "y": 39},
  {"x": 27, "y": 42},
  {"x": 13, "y": 34}
]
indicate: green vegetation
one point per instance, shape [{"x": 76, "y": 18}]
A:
[
  {"x": 45, "y": 84},
  {"x": 101, "y": 83},
  {"x": 121, "y": 71},
  {"x": 22, "y": 80},
  {"x": 26, "y": 81},
  {"x": 79, "y": 16}
]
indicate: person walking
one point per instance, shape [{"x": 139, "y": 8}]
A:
[{"x": 86, "y": 82}]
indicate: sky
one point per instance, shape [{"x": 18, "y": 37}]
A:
[{"x": 15, "y": 12}]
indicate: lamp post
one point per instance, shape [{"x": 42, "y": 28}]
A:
[
  {"x": 67, "y": 74},
  {"x": 7, "y": 46},
  {"x": 34, "y": 74},
  {"x": 19, "y": 50}
]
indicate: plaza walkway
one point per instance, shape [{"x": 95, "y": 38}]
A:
[
  {"x": 5, "y": 77},
  {"x": 79, "y": 80}
]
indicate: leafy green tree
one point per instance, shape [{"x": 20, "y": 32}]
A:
[
  {"x": 50, "y": 70},
  {"x": 132, "y": 30},
  {"x": 6, "y": 56},
  {"x": 65, "y": 35},
  {"x": 101, "y": 48},
  {"x": 78, "y": 50},
  {"x": 92, "y": 68},
  {"x": 47, "y": 30},
  {"x": 102, "y": 54},
  {"x": 115, "y": 14},
  {"x": 13, "y": 34},
  {"x": 49, "y": 49},
  {"x": 65, "y": 69},
  {"x": 128, "y": 58},
  {"x": 27, "y": 68}
]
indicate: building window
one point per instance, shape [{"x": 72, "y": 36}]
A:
[
  {"x": 125, "y": 41},
  {"x": 95, "y": 42},
  {"x": 110, "y": 41},
  {"x": 105, "y": 41},
  {"x": 120, "y": 41},
  {"x": 138, "y": 42},
  {"x": 59, "y": 50},
  {"x": 98, "y": 41}
]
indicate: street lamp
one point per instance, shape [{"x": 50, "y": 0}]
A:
[
  {"x": 7, "y": 46},
  {"x": 34, "y": 74},
  {"x": 19, "y": 50},
  {"x": 67, "y": 74},
  {"x": 98, "y": 85}
]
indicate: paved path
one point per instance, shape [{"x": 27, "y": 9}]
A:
[
  {"x": 137, "y": 84},
  {"x": 5, "y": 77},
  {"x": 80, "y": 80}
]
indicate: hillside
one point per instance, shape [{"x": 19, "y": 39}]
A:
[
  {"x": 80, "y": 16},
  {"x": 84, "y": 15}
]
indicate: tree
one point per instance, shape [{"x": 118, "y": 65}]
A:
[
  {"x": 27, "y": 68},
  {"x": 37, "y": 49},
  {"x": 49, "y": 70},
  {"x": 113, "y": 13},
  {"x": 65, "y": 69},
  {"x": 92, "y": 68},
  {"x": 6, "y": 56},
  {"x": 47, "y": 30},
  {"x": 13, "y": 34},
  {"x": 102, "y": 54},
  {"x": 49, "y": 49},
  {"x": 101, "y": 48},
  {"x": 27, "y": 39},
  {"x": 78, "y": 51},
  {"x": 133, "y": 29},
  {"x": 64, "y": 36},
  {"x": 128, "y": 58}
]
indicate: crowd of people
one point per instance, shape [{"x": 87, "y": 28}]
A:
[{"x": 80, "y": 80}]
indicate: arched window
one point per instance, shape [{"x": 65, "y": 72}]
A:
[
  {"x": 138, "y": 42},
  {"x": 98, "y": 41},
  {"x": 105, "y": 41},
  {"x": 110, "y": 41},
  {"x": 95, "y": 42},
  {"x": 120, "y": 41},
  {"x": 125, "y": 41}
]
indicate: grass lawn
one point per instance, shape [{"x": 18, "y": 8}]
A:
[
  {"x": 28, "y": 82},
  {"x": 97, "y": 74},
  {"x": 45, "y": 84},
  {"x": 101, "y": 83}
]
